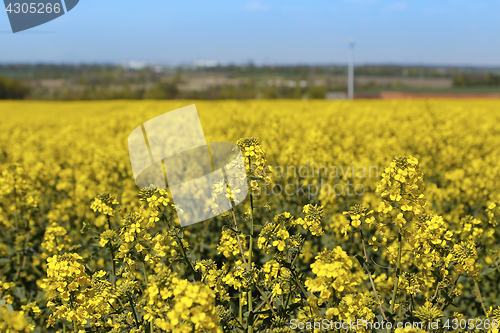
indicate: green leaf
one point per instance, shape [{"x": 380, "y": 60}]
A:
[
  {"x": 4, "y": 260},
  {"x": 20, "y": 293},
  {"x": 360, "y": 259},
  {"x": 487, "y": 271},
  {"x": 449, "y": 300},
  {"x": 367, "y": 268},
  {"x": 251, "y": 316},
  {"x": 263, "y": 312}
]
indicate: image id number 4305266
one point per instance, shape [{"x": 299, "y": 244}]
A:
[
  {"x": 471, "y": 324},
  {"x": 33, "y": 8}
]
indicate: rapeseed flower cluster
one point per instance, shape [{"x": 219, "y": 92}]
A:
[
  {"x": 56, "y": 239},
  {"x": 402, "y": 185},
  {"x": 229, "y": 244},
  {"x": 465, "y": 254},
  {"x": 104, "y": 203},
  {"x": 258, "y": 170},
  {"x": 358, "y": 214},
  {"x": 14, "y": 321},
  {"x": 353, "y": 307},
  {"x": 276, "y": 234},
  {"x": 333, "y": 271},
  {"x": 312, "y": 220}
]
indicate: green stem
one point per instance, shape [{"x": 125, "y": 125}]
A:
[
  {"x": 248, "y": 267},
  {"x": 266, "y": 300},
  {"x": 197, "y": 275},
  {"x": 300, "y": 248},
  {"x": 480, "y": 297},
  {"x": 239, "y": 242},
  {"x": 145, "y": 272},
  {"x": 451, "y": 291},
  {"x": 398, "y": 272},
  {"x": 250, "y": 248},
  {"x": 260, "y": 305},
  {"x": 133, "y": 311},
  {"x": 240, "y": 310},
  {"x": 287, "y": 300},
  {"x": 113, "y": 263},
  {"x": 297, "y": 282},
  {"x": 496, "y": 265},
  {"x": 151, "y": 324},
  {"x": 111, "y": 251},
  {"x": 371, "y": 279}
]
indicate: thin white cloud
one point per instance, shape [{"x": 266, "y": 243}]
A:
[
  {"x": 257, "y": 6},
  {"x": 398, "y": 6}
]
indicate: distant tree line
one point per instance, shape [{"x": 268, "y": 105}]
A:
[
  {"x": 12, "y": 89},
  {"x": 117, "y": 83},
  {"x": 247, "y": 81},
  {"x": 472, "y": 80},
  {"x": 43, "y": 71}
]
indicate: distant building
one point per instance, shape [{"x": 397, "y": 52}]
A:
[
  {"x": 333, "y": 95},
  {"x": 205, "y": 63},
  {"x": 135, "y": 64}
]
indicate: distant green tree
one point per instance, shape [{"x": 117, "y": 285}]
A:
[
  {"x": 493, "y": 80},
  {"x": 317, "y": 92},
  {"x": 270, "y": 93},
  {"x": 165, "y": 89},
  {"x": 12, "y": 89},
  {"x": 471, "y": 80},
  {"x": 459, "y": 81}
]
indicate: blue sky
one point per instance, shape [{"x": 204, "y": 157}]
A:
[{"x": 445, "y": 32}]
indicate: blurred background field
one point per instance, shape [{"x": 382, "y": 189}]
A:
[
  {"x": 212, "y": 81},
  {"x": 256, "y": 49}
]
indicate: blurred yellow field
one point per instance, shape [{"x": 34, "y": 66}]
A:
[{"x": 354, "y": 187}]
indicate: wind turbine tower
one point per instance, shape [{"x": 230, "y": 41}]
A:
[{"x": 350, "y": 79}]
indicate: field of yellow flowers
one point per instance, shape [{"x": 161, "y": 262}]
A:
[{"x": 374, "y": 212}]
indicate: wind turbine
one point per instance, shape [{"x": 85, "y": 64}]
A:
[{"x": 350, "y": 71}]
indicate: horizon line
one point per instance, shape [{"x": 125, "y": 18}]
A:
[{"x": 144, "y": 64}]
